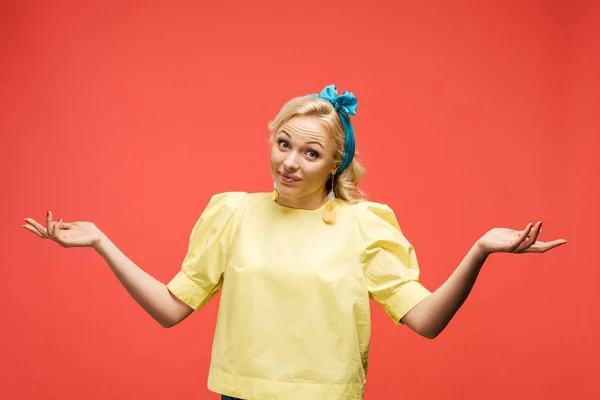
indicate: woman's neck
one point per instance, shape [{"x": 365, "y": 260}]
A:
[{"x": 311, "y": 202}]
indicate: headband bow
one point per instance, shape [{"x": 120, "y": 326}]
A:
[{"x": 345, "y": 104}]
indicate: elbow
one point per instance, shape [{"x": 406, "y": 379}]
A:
[
  {"x": 429, "y": 330},
  {"x": 167, "y": 323},
  {"x": 173, "y": 316},
  {"x": 431, "y": 327},
  {"x": 430, "y": 334}
]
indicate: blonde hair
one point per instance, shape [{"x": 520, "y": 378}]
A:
[{"x": 346, "y": 184}]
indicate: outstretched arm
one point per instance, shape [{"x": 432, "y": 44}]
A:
[
  {"x": 432, "y": 315},
  {"x": 148, "y": 292}
]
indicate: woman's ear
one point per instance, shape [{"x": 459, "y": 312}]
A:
[{"x": 336, "y": 166}]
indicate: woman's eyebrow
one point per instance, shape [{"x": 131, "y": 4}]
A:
[
  {"x": 312, "y": 142},
  {"x": 316, "y": 143}
]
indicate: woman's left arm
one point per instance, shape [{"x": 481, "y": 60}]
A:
[{"x": 430, "y": 316}]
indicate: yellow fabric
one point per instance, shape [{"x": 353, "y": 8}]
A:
[{"x": 294, "y": 317}]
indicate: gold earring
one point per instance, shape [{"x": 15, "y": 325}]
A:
[
  {"x": 275, "y": 193},
  {"x": 329, "y": 215}
]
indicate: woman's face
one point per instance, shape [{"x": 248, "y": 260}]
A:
[{"x": 302, "y": 161}]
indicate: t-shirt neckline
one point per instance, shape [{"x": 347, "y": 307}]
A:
[{"x": 322, "y": 207}]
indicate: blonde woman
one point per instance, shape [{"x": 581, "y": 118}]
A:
[{"x": 296, "y": 267}]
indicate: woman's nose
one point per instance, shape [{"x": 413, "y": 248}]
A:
[{"x": 290, "y": 163}]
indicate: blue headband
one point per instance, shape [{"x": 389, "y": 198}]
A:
[{"x": 345, "y": 105}]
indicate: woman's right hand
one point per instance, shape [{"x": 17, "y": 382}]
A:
[
  {"x": 147, "y": 291},
  {"x": 67, "y": 234}
]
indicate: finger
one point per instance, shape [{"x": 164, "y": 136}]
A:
[
  {"x": 51, "y": 230},
  {"x": 32, "y": 229},
  {"x": 542, "y": 247},
  {"x": 56, "y": 230},
  {"x": 58, "y": 234},
  {"x": 66, "y": 225},
  {"x": 38, "y": 227},
  {"x": 521, "y": 238},
  {"x": 530, "y": 240},
  {"x": 49, "y": 224},
  {"x": 536, "y": 232}
]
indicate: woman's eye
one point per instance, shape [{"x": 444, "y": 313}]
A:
[
  {"x": 284, "y": 144},
  {"x": 312, "y": 154}
]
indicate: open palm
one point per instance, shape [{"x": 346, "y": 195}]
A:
[
  {"x": 67, "y": 234},
  {"x": 504, "y": 240}
]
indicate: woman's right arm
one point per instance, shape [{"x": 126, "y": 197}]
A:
[{"x": 150, "y": 293}]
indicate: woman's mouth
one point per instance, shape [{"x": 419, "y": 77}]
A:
[{"x": 287, "y": 178}]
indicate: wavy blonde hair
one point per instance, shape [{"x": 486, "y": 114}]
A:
[{"x": 345, "y": 184}]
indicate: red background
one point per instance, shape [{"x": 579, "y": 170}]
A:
[{"x": 472, "y": 115}]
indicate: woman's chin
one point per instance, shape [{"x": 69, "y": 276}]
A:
[{"x": 288, "y": 192}]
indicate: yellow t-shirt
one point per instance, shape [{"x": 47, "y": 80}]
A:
[{"x": 294, "y": 317}]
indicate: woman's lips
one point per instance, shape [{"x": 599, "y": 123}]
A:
[{"x": 287, "y": 178}]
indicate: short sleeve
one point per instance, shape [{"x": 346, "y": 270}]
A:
[
  {"x": 200, "y": 277},
  {"x": 389, "y": 261}
]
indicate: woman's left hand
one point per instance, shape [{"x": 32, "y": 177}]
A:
[{"x": 503, "y": 240}]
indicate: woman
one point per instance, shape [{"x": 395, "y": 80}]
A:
[{"x": 297, "y": 266}]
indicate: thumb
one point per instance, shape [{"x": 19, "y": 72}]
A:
[{"x": 65, "y": 225}]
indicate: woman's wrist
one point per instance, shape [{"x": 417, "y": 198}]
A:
[
  {"x": 479, "y": 251},
  {"x": 100, "y": 245}
]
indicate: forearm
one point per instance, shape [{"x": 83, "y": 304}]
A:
[
  {"x": 147, "y": 291},
  {"x": 437, "y": 310}
]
